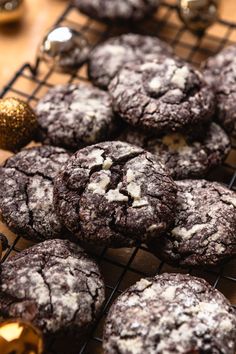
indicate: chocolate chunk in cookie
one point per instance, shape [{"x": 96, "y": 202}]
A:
[
  {"x": 170, "y": 313},
  {"x": 26, "y": 192},
  {"x": 161, "y": 95},
  {"x": 75, "y": 115},
  {"x": 205, "y": 226},
  {"x": 115, "y": 194},
  {"x": 57, "y": 287},
  {"x": 117, "y": 10},
  {"x": 184, "y": 155},
  {"x": 108, "y": 57}
]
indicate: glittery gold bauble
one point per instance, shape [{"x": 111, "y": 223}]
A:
[
  {"x": 11, "y": 10},
  {"x": 198, "y": 14},
  {"x": 20, "y": 337},
  {"x": 17, "y": 124}
]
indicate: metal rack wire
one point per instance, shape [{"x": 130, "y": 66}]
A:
[{"x": 123, "y": 267}]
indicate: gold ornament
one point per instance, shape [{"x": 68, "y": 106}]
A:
[
  {"x": 11, "y": 10},
  {"x": 64, "y": 48},
  {"x": 19, "y": 337},
  {"x": 17, "y": 124},
  {"x": 198, "y": 14}
]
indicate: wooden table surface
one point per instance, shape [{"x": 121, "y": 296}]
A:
[{"x": 19, "y": 43}]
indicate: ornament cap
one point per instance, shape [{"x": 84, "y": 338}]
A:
[{"x": 11, "y": 10}]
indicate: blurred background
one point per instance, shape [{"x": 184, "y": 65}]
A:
[{"x": 19, "y": 42}]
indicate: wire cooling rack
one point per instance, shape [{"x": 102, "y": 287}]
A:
[{"x": 123, "y": 267}]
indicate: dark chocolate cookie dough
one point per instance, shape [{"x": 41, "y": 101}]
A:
[
  {"x": 161, "y": 94},
  {"x": 115, "y": 194},
  {"x": 171, "y": 313},
  {"x": 108, "y": 57},
  {"x": 185, "y": 156},
  {"x": 75, "y": 115},
  {"x": 26, "y": 192},
  {"x": 205, "y": 226},
  {"x": 220, "y": 72},
  {"x": 117, "y": 10},
  {"x": 57, "y": 287}
]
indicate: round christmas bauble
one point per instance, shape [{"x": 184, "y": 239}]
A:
[
  {"x": 64, "y": 48},
  {"x": 198, "y": 14},
  {"x": 19, "y": 337},
  {"x": 17, "y": 124},
  {"x": 11, "y": 10}
]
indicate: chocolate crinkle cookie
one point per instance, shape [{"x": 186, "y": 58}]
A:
[
  {"x": 161, "y": 95},
  {"x": 213, "y": 66},
  {"x": 226, "y": 96},
  {"x": 170, "y": 313},
  {"x": 220, "y": 72},
  {"x": 115, "y": 194},
  {"x": 184, "y": 155},
  {"x": 108, "y": 57},
  {"x": 117, "y": 10},
  {"x": 205, "y": 226},
  {"x": 57, "y": 287},
  {"x": 75, "y": 115},
  {"x": 26, "y": 192}
]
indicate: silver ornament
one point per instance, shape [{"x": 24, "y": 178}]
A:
[
  {"x": 198, "y": 15},
  {"x": 64, "y": 48},
  {"x": 11, "y": 10}
]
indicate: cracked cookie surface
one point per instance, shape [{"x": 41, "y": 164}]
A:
[
  {"x": 170, "y": 313},
  {"x": 161, "y": 95},
  {"x": 56, "y": 286},
  {"x": 185, "y": 156},
  {"x": 108, "y": 57},
  {"x": 26, "y": 192},
  {"x": 113, "y": 10},
  {"x": 75, "y": 115},
  {"x": 213, "y": 65},
  {"x": 205, "y": 226},
  {"x": 115, "y": 194},
  {"x": 220, "y": 72}
]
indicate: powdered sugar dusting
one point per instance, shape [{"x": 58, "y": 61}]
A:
[
  {"x": 171, "y": 311},
  {"x": 51, "y": 283}
]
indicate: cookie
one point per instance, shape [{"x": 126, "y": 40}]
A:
[
  {"x": 26, "y": 192},
  {"x": 117, "y": 11},
  {"x": 75, "y": 115},
  {"x": 170, "y": 313},
  {"x": 108, "y": 57},
  {"x": 184, "y": 155},
  {"x": 221, "y": 74},
  {"x": 57, "y": 287},
  {"x": 64, "y": 48},
  {"x": 115, "y": 194},
  {"x": 213, "y": 66},
  {"x": 205, "y": 226},
  {"x": 161, "y": 95}
]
